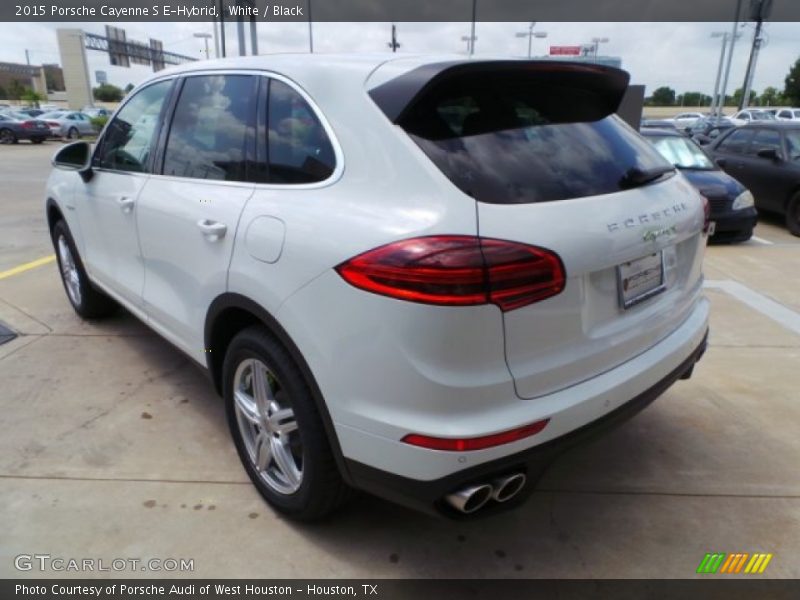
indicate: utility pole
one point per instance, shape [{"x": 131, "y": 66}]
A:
[
  {"x": 472, "y": 37},
  {"x": 730, "y": 57},
  {"x": 310, "y": 30},
  {"x": 394, "y": 44},
  {"x": 221, "y": 6},
  {"x": 27, "y": 56},
  {"x": 715, "y": 98},
  {"x": 205, "y": 37},
  {"x": 759, "y": 11}
]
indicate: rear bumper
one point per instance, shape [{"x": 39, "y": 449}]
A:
[{"x": 428, "y": 495}]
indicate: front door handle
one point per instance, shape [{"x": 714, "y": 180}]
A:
[
  {"x": 126, "y": 204},
  {"x": 212, "y": 230}
]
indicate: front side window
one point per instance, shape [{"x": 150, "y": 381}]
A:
[
  {"x": 212, "y": 128},
  {"x": 128, "y": 139},
  {"x": 766, "y": 139},
  {"x": 736, "y": 142},
  {"x": 299, "y": 150},
  {"x": 793, "y": 145}
]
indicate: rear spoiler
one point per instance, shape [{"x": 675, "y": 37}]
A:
[{"x": 583, "y": 92}]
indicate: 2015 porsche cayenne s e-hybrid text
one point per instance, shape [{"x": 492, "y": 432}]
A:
[{"x": 418, "y": 277}]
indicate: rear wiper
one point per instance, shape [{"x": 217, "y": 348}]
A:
[{"x": 634, "y": 177}]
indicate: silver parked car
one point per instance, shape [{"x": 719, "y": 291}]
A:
[{"x": 68, "y": 124}]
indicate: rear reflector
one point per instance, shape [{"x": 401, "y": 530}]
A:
[
  {"x": 458, "y": 270},
  {"x": 476, "y": 443}
]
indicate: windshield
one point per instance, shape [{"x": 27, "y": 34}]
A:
[
  {"x": 682, "y": 152},
  {"x": 762, "y": 116}
]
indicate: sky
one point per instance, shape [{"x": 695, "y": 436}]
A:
[{"x": 683, "y": 56}]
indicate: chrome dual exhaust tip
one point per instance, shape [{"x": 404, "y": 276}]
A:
[
  {"x": 474, "y": 497},
  {"x": 471, "y": 498},
  {"x": 505, "y": 488}
]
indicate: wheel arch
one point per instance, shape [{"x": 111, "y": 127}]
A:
[
  {"x": 227, "y": 315},
  {"x": 54, "y": 213}
]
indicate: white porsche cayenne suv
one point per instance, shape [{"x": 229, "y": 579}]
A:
[{"x": 419, "y": 277}]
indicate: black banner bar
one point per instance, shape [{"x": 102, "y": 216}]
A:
[
  {"x": 711, "y": 588},
  {"x": 392, "y": 10}
]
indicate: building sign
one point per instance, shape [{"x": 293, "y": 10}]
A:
[{"x": 565, "y": 50}]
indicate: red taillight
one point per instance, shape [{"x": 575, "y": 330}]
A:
[
  {"x": 28, "y": 125},
  {"x": 476, "y": 443},
  {"x": 53, "y": 124},
  {"x": 458, "y": 270},
  {"x": 706, "y": 214}
]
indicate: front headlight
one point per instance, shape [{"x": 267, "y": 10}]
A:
[{"x": 743, "y": 200}]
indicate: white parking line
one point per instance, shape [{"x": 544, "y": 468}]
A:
[
  {"x": 759, "y": 240},
  {"x": 766, "y": 306}
]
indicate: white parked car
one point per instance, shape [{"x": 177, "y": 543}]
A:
[
  {"x": 788, "y": 114},
  {"x": 68, "y": 124},
  {"x": 685, "y": 121},
  {"x": 750, "y": 115},
  {"x": 410, "y": 276}
]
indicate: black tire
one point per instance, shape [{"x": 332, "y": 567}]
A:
[
  {"x": 73, "y": 134},
  {"x": 90, "y": 303},
  {"x": 37, "y": 140},
  {"x": 7, "y": 137},
  {"x": 321, "y": 490},
  {"x": 793, "y": 214}
]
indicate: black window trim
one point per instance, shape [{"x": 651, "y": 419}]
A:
[{"x": 781, "y": 142}]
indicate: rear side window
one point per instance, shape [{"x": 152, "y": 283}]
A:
[
  {"x": 299, "y": 150},
  {"x": 736, "y": 142},
  {"x": 515, "y": 142},
  {"x": 128, "y": 138},
  {"x": 212, "y": 128}
]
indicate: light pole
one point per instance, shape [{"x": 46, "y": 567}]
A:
[
  {"x": 470, "y": 43},
  {"x": 394, "y": 44},
  {"x": 733, "y": 37},
  {"x": 596, "y": 43},
  {"x": 724, "y": 35},
  {"x": 530, "y": 34},
  {"x": 205, "y": 37}
]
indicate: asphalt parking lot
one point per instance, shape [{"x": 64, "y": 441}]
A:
[{"x": 114, "y": 445}]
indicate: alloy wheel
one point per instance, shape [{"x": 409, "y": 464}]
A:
[
  {"x": 69, "y": 271},
  {"x": 268, "y": 426}
]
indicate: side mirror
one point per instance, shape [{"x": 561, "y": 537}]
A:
[
  {"x": 75, "y": 157},
  {"x": 769, "y": 153}
]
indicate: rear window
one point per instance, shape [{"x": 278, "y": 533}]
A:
[{"x": 513, "y": 143}]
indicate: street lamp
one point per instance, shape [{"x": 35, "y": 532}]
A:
[
  {"x": 470, "y": 39},
  {"x": 596, "y": 43},
  {"x": 530, "y": 34},
  {"x": 205, "y": 37}
]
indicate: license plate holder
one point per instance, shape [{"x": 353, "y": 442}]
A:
[{"x": 640, "y": 279}]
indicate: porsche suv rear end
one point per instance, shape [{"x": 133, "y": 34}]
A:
[{"x": 537, "y": 278}]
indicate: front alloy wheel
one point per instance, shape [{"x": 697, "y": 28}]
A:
[
  {"x": 69, "y": 272},
  {"x": 268, "y": 427}
]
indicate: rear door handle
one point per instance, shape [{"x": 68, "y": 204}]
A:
[
  {"x": 212, "y": 230},
  {"x": 126, "y": 204}
]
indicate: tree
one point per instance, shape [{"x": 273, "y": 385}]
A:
[
  {"x": 3, "y": 93},
  {"x": 739, "y": 93},
  {"x": 107, "y": 93},
  {"x": 791, "y": 92},
  {"x": 663, "y": 96},
  {"x": 31, "y": 97},
  {"x": 129, "y": 88},
  {"x": 694, "y": 99},
  {"x": 771, "y": 97}
]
